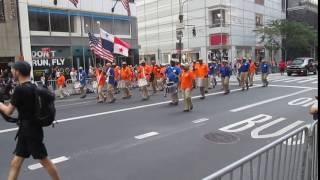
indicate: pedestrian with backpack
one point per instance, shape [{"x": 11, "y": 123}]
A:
[{"x": 30, "y": 134}]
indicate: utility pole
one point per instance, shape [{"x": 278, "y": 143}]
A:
[{"x": 180, "y": 33}]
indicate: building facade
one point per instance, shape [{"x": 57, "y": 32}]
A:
[
  {"x": 55, "y": 33},
  {"x": 221, "y": 28},
  {"x": 9, "y": 33}
]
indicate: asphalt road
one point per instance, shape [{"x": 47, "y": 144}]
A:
[{"x": 137, "y": 140}]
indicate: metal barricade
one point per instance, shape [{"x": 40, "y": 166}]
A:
[{"x": 292, "y": 157}]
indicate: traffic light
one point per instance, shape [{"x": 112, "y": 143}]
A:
[
  {"x": 55, "y": 2},
  {"x": 194, "y": 32}
]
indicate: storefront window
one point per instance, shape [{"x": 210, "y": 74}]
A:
[
  {"x": 87, "y": 23},
  {"x": 218, "y": 18},
  {"x": 39, "y": 21},
  {"x": 2, "y": 15},
  {"x": 59, "y": 23}
]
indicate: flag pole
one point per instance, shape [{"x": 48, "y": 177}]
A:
[{"x": 112, "y": 30}]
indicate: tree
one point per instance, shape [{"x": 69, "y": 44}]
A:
[{"x": 295, "y": 36}]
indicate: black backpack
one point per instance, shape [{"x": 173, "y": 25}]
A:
[{"x": 45, "y": 108}]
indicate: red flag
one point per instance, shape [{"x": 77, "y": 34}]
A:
[{"x": 126, "y": 5}]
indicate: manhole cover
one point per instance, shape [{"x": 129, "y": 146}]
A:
[{"x": 222, "y": 138}]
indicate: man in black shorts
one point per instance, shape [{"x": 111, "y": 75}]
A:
[{"x": 30, "y": 134}]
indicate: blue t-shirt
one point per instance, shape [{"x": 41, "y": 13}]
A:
[
  {"x": 264, "y": 68},
  {"x": 225, "y": 71},
  {"x": 83, "y": 77},
  {"x": 245, "y": 67},
  {"x": 212, "y": 68},
  {"x": 173, "y": 72}
]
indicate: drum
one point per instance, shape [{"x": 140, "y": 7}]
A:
[
  {"x": 200, "y": 82},
  {"x": 172, "y": 88},
  {"x": 122, "y": 84},
  {"x": 142, "y": 82}
]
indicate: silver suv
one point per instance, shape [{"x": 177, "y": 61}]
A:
[{"x": 302, "y": 66}]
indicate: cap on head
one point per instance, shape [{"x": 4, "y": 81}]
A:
[
  {"x": 80, "y": 68},
  {"x": 23, "y": 67},
  {"x": 124, "y": 63},
  {"x": 142, "y": 62}
]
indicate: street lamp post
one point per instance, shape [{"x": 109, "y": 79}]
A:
[{"x": 180, "y": 33}]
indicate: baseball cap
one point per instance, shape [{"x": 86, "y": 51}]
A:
[{"x": 22, "y": 66}]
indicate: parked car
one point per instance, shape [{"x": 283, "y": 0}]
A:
[{"x": 302, "y": 66}]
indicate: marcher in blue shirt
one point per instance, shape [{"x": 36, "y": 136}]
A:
[
  {"x": 173, "y": 72},
  {"x": 83, "y": 82},
  {"x": 244, "y": 74},
  {"x": 265, "y": 72},
  {"x": 225, "y": 72},
  {"x": 213, "y": 67},
  {"x": 110, "y": 83}
]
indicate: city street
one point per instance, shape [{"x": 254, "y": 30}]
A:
[{"x": 150, "y": 140}]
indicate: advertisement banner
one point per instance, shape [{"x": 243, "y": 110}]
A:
[{"x": 48, "y": 58}]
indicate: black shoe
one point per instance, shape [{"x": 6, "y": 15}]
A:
[
  {"x": 206, "y": 92},
  {"x": 203, "y": 97},
  {"x": 186, "y": 110},
  {"x": 112, "y": 101},
  {"x": 191, "y": 107},
  {"x": 100, "y": 102},
  {"x": 174, "y": 104},
  {"x": 82, "y": 97}
]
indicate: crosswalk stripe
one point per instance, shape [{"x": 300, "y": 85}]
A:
[
  {"x": 279, "y": 80},
  {"x": 316, "y": 82},
  {"x": 292, "y": 80},
  {"x": 308, "y": 80}
]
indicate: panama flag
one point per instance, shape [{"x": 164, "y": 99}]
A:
[{"x": 114, "y": 44}]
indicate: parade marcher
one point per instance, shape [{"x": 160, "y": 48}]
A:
[
  {"x": 225, "y": 72},
  {"x": 186, "y": 80},
  {"x": 244, "y": 71},
  {"x": 30, "y": 135},
  {"x": 265, "y": 72},
  {"x": 172, "y": 73},
  {"x": 282, "y": 67},
  {"x": 212, "y": 74},
  {"x": 143, "y": 70},
  {"x": 125, "y": 78},
  {"x": 252, "y": 71},
  {"x": 201, "y": 76},
  {"x": 117, "y": 77},
  {"x": 153, "y": 76},
  {"x": 83, "y": 82},
  {"x": 162, "y": 77},
  {"x": 194, "y": 64},
  {"x": 110, "y": 83},
  {"x": 73, "y": 75},
  {"x": 61, "y": 83},
  {"x": 238, "y": 66},
  {"x": 101, "y": 79}
]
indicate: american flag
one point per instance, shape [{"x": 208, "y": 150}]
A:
[
  {"x": 74, "y": 2},
  {"x": 97, "y": 48},
  {"x": 126, "y": 5}
]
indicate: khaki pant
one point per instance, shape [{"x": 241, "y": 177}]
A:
[
  {"x": 110, "y": 92},
  {"x": 212, "y": 81},
  {"x": 175, "y": 97},
  {"x": 61, "y": 92},
  {"x": 101, "y": 95},
  {"x": 154, "y": 85},
  {"x": 206, "y": 84},
  {"x": 144, "y": 92},
  {"x": 251, "y": 78},
  {"x": 83, "y": 91},
  {"x": 244, "y": 79},
  {"x": 126, "y": 89},
  {"x": 264, "y": 78},
  {"x": 225, "y": 83},
  {"x": 186, "y": 93}
]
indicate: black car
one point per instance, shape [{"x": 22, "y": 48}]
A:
[{"x": 302, "y": 66}]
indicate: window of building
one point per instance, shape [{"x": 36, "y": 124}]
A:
[
  {"x": 39, "y": 21},
  {"x": 2, "y": 15},
  {"x": 59, "y": 23},
  {"x": 259, "y": 20},
  {"x": 117, "y": 26},
  {"x": 261, "y": 2},
  {"x": 218, "y": 18},
  {"x": 87, "y": 23}
]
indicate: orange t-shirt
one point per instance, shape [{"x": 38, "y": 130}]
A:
[
  {"x": 202, "y": 70},
  {"x": 117, "y": 73},
  {"x": 102, "y": 80},
  {"x": 252, "y": 68},
  {"x": 61, "y": 80},
  {"x": 125, "y": 74},
  {"x": 186, "y": 80}
]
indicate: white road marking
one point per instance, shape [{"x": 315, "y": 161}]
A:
[
  {"x": 147, "y": 135},
  {"x": 298, "y": 87},
  {"x": 54, "y": 161},
  {"x": 85, "y": 102},
  {"x": 200, "y": 120},
  {"x": 292, "y": 80},
  {"x": 8, "y": 130},
  {"x": 316, "y": 82},
  {"x": 279, "y": 80},
  {"x": 308, "y": 80},
  {"x": 268, "y": 101}
]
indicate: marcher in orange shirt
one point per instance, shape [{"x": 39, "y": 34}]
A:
[
  {"x": 143, "y": 70},
  {"x": 186, "y": 85},
  {"x": 116, "y": 77},
  {"x": 153, "y": 76},
  {"x": 101, "y": 79},
  {"x": 61, "y": 83},
  {"x": 252, "y": 71},
  {"x": 202, "y": 71},
  {"x": 162, "y": 77},
  {"x": 125, "y": 77}
]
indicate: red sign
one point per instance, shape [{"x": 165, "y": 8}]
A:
[
  {"x": 45, "y": 49},
  {"x": 218, "y": 39}
]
